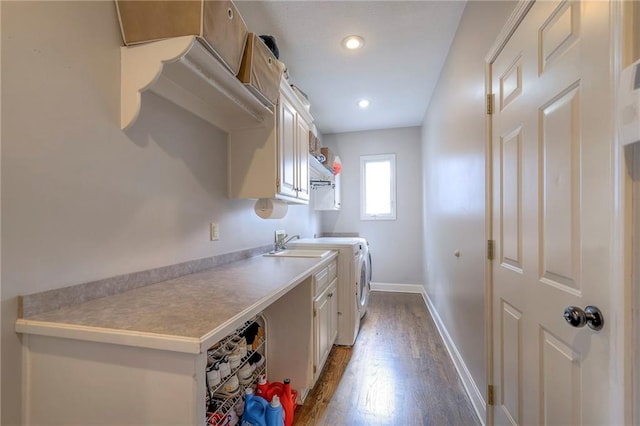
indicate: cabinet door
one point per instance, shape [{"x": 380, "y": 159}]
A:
[
  {"x": 322, "y": 313},
  {"x": 333, "y": 314},
  {"x": 337, "y": 191},
  {"x": 328, "y": 197},
  {"x": 325, "y": 325},
  {"x": 287, "y": 152},
  {"x": 303, "y": 158}
]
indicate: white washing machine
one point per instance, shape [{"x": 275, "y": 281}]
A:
[{"x": 354, "y": 278}]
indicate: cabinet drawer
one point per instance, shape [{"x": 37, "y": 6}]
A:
[{"x": 322, "y": 279}]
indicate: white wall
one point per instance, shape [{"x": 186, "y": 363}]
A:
[
  {"x": 81, "y": 200},
  {"x": 453, "y": 146},
  {"x": 396, "y": 246}
]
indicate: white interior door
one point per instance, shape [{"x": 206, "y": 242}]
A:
[{"x": 553, "y": 190}]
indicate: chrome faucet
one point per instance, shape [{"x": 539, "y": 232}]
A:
[{"x": 281, "y": 243}]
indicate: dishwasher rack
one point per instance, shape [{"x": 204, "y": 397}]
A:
[{"x": 218, "y": 408}]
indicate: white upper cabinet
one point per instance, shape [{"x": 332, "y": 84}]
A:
[
  {"x": 302, "y": 158},
  {"x": 326, "y": 196},
  {"x": 287, "y": 141},
  {"x": 325, "y": 186},
  {"x": 272, "y": 162}
]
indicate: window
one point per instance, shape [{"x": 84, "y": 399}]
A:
[{"x": 378, "y": 187}]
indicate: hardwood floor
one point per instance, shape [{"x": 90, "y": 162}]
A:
[{"x": 397, "y": 373}]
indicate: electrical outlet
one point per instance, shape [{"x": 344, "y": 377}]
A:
[{"x": 215, "y": 232}]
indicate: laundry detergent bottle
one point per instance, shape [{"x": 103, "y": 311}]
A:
[
  {"x": 288, "y": 403},
  {"x": 255, "y": 409},
  {"x": 275, "y": 388},
  {"x": 262, "y": 387},
  {"x": 275, "y": 415}
]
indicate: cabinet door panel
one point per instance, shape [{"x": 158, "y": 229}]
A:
[
  {"x": 303, "y": 159},
  {"x": 325, "y": 325},
  {"x": 321, "y": 331},
  {"x": 287, "y": 137},
  {"x": 333, "y": 313}
]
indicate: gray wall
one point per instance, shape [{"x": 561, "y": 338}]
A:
[
  {"x": 81, "y": 200},
  {"x": 396, "y": 246},
  {"x": 453, "y": 148}
]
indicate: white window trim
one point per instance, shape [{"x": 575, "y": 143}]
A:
[{"x": 380, "y": 157}]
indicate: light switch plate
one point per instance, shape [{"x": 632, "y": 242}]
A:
[{"x": 215, "y": 232}]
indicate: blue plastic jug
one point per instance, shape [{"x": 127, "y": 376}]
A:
[
  {"x": 255, "y": 409},
  {"x": 275, "y": 414}
]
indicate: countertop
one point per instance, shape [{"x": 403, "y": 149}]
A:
[{"x": 187, "y": 314}]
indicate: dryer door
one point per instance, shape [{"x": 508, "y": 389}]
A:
[{"x": 364, "y": 285}]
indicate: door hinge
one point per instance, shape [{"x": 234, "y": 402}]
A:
[
  {"x": 491, "y": 245},
  {"x": 314, "y": 313},
  {"x": 490, "y": 395},
  {"x": 278, "y": 184},
  {"x": 490, "y": 99},
  {"x": 314, "y": 369}
]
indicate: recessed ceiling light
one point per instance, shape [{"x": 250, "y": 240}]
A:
[
  {"x": 363, "y": 103},
  {"x": 353, "y": 42}
]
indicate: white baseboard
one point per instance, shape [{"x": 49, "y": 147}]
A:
[
  {"x": 469, "y": 384},
  {"x": 397, "y": 288}
]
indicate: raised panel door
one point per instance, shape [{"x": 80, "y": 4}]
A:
[
  {"x": 302, "y": 155},
  {"x": 287, "y": 149},
  {"x": 552, "y": 207},
  {"x": 322, "y": 315},
  {"x": 333, "y": 314}
]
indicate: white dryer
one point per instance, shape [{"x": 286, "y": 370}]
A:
[
  {"x": 364, "y": 284},
  {"x": 354, "y": 278}
]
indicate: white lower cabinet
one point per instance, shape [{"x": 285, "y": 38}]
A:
[
  {"x": 325, "y": 316},
  {"x": 325, "y": 326},
  {"x": 77, "y": 382}
]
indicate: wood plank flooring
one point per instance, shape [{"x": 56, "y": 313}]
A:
[{"x": 397, "y": 373}]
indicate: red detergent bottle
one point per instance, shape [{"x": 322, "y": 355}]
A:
[
  {"x": 262, "y": 387},
  {"x": 287, "y": 398},
  {"x": 288, "y": 403},
  {"x": 275, "y": 388}
]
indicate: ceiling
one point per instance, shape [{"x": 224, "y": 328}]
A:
[{"x": 406, "y": 44}]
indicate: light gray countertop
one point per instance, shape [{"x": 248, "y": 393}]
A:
[{"x": 186, "y": 314}]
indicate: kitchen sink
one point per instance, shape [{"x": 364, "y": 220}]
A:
[{"x": 299, "y": 253}]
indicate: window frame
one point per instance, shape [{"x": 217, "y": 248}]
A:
[{"x": 364, "y": 159}]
